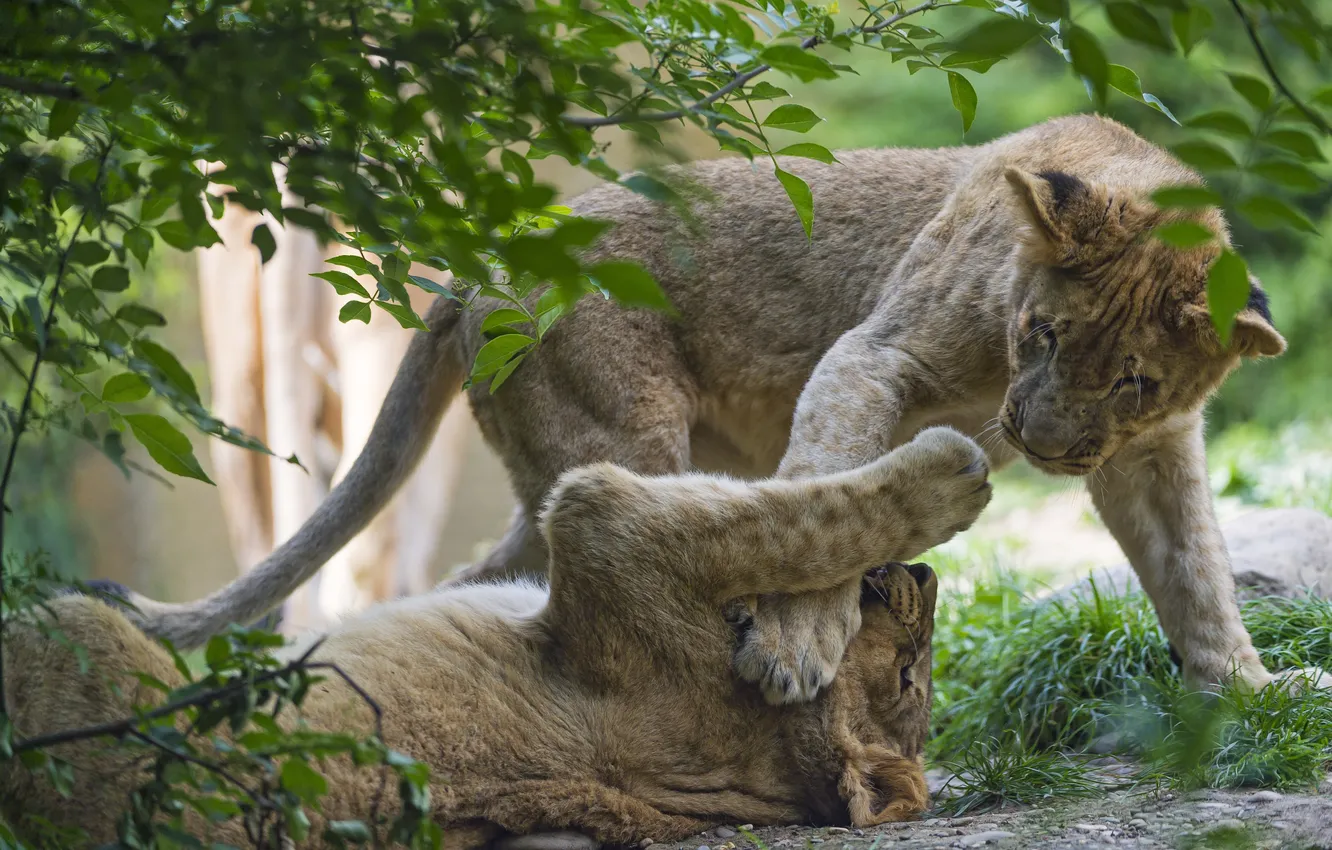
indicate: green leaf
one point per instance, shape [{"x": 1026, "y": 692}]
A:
[
  {"x": 140, "y": 316},
  {"x": 1186, "y": 197},
  {"x": 1001, "y": 35},
  {"x": 405, "y": 315},
  {"x": 964, "y": 98},
  {"x": 124, "y": 388},
  {"x": 1183, "y": 234},
  {"x": 503, "y": 373},
  {"x": 343, "y": 283},
  {"x": 1222, "y": 121},
  {"x": 1292, "y": 175},
  {"x": 1227, "y": 292},
  {"x": 1205, "y": 155},
  {"x": 111, "y": 279},
  {"x": 358, "y": 264},
  {"x": 1050, "y": 9},
  {"x": 168, "y": 447},
  {"x": 630, "y": 285},
  {"x": 502, "y": 318},
  {"x": 518, "y": 166},
  {"x": 139, "y": 242},
  {"x": 793, "y": 117},
  {"x": 1268, "y": 213},
  {"x": 497, "y": 352},
  {"x": 801, "y": 64},
  {"x": 262, "y": 238},
  {"x": 801, "y": 198},
  {"x": 1137, "y": 24},
  {"x": 303, "y": 781},
  {"x": 169, "y": 366},
  {"x": 347, "y": 832},
  {"x": 1190, "y": 25},
  {"x": 1257, "y": 92},
  {"x": 1089, "y": 61},
  {"x": 63, "y": 116},
  {"x": 217, "y": 652},
  {"x": 88, "y": 253},
  {"x": 1297, "y": 142},
  {"x": 1126, "y": 80},
  {"x": 431, "y": 286},
  {"x": 809, "y": 150},
  {"x": 180, "y": 236}
]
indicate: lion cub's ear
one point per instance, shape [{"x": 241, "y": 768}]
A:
[
  {"x": 1064, "y": 212},
  {"x": 1254, "y": 335}
]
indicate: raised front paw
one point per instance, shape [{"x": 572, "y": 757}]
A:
[
  {"x": 795, "y": 644},
  {"x": 943, "y": 480}
]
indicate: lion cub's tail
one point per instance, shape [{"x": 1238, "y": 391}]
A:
[{"x": 431, "y": 374}]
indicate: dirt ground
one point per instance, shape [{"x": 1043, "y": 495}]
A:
[{"x": 1219, "y": 820}]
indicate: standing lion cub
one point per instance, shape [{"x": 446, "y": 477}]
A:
[
  {"x": 1012, "y": 290},
  {"x": 608, "y": 704}
]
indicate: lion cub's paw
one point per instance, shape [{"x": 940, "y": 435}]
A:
[
  {"x": 944, "y": 479},
  {"x": 796, "y": 643},
  {"x": 1300, "y": 680}
]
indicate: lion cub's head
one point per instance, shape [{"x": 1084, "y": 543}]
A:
[
  {"x": 877, "y": 711},
  {"x": 1110, "y": 332}
]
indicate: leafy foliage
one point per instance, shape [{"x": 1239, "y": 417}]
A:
[{"x": 406, "y": 132}]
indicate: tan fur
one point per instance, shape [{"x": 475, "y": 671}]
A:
[
  {"x": 609, "y": 705},
  {"x": 908, "y": 308}
]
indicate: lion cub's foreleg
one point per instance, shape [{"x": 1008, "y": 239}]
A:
[
  {"x": 617, "y": 538},
  {"x": 1156, "y": 501},
  {"x": 846, "y": 416}
]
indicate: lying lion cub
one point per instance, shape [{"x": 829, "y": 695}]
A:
[{"x": 606, "y": 704}]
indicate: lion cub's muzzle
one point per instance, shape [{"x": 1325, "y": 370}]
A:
[{"x": 897, "y": 586}]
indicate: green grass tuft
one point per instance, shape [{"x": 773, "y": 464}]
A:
[
  {"x": 1003, "y": 770},
  {"x": 1048, "y": 678}
]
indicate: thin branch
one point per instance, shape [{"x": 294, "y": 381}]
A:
[
  {"x": 124, "y": 726},
  {"x": 25, "y": 409},
  {"x": 738, "y": 80},
  {"x": 1314, "y": 118},
  {"x": 40, "y": 88},
  {"x": 211, "y": 767}
]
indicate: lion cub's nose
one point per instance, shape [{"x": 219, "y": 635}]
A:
[{"x": 897, "y": 586}]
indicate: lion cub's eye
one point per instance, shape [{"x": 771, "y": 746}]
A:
[{"x": 1043, "y": 329}]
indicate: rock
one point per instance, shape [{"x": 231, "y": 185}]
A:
[
  {"x": 1137, "y": 822},
  {"x": 1264, "y": 797},
  {"x": 1089, "y": 827},
  {"x": 646, "y": 843},
  {"x": 1273, "y": 551},
  {"x": 724, "y": 832},
  {"x": 548, "y": 841},
  {"x": 839, "y": 829},
  {"x": 976, "y": 839}
]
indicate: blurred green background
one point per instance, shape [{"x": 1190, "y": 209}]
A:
[{"x": 172, "y": 543}]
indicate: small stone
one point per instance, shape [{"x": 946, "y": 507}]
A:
[
  {"x": 1110, "y": 819},
  {"x": 841, "y": 829},
  {"x": 646, "y": 843},
  {"x": 978, "y": 838},
  {"x": 1089, "y": 827},
  {"x": 1137, "y": 822},
  {"x": 702, "y": 847},
  {"x": 1279, "y": 824},
  {"x": 724, "y": 832},
  {"x": 1215, "y": 805},
  {"x": 1264, "y": 797},
  {"x": 749, "y": 826}
]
